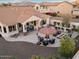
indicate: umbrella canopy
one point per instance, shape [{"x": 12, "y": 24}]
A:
[{"x": 48, "y": 30}]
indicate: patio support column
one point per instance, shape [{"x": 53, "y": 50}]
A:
[
  {"x": 2, "y": 29},
  {"x": 17, "y": 28},
  {"x": 47, "y": 21},
  {"x": 39, "y": 23},
  {"x": 7, "y": 29},
  {"x": 24, "y": 28}
]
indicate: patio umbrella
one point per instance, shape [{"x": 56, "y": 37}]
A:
[{"x": 48, "y": 30}]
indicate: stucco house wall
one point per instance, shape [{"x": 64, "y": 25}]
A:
[
  {"x": 60, "y": 21},
  {"x": 65, "y": 8},
  {"x": 77, "y": 2}
]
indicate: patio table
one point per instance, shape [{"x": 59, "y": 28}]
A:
[{"x": 48, "y": 31}]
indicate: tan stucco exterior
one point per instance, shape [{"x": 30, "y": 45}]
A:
[
  {"x": 65, "y": 8},
  {"x": 77, "y": 2}
]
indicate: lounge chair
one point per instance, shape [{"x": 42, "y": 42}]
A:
[
  {"x": 45, "y": 43},
  {"x": 52, "y": 41},
  {"x": 38, "y": 43},
  {"x": 40, "y": 39}
]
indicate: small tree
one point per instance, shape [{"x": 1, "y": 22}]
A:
[
  {"x": 67, "y": 47},
  {"x": 66, "y": 20}
]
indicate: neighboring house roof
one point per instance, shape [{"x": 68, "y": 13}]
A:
[
  {"x": 62, "y": 19},
  {"x": 68, "y": 3},
  {"x": 13, "y": 15},
  {"x": 49, "y": 4},
  {"x": 53, "y": 4},
  {"x": 24, "y": 3}
]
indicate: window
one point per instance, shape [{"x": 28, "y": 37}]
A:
[
  {"x": 74, "y": 26},
  {"x": 43, "y": 22},
  {"x": 63, "y": 24},
  {"x": 58, "y": 23},
  {"x": 12, "y": 28},
  {"x": 34, "y": 23},
  {"x": 68, "y": 26},
  {"x": 4, "y": 29},
  {"x": 58, "y": 12},
  {"x": 44, "y": 7},
  {"x": 54, "y": 23},
  {"x": 77, "y": 16},
  {"x": 71, "y": 12},
  {"x": 27, "y": 24},
  {"x": 36, "y": 8}
]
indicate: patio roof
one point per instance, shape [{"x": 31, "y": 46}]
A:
[
  {"x": 61, "y": 19},
  {"x": 13, "y": 15}
]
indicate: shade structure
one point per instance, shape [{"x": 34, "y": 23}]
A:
[{"x": 48, "y": 30}]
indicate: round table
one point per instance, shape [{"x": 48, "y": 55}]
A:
[{"x": 48, "y": 30}]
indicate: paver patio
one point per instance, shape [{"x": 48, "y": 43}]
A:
[{"x": 32, "y": 38}]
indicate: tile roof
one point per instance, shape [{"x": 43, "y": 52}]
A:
[
  {"x": 61, "y": 19},
  {"x": 13, "y": 15},
  {"x": 53, "y": 4},
  {"x": 50, "y": 4}
]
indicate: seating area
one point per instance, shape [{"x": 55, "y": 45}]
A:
[
  {"x": 45, "y": 41},
  {"x": 46, "y": 38}
]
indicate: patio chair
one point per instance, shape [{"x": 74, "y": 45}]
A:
[
  {"x": 59, "y": 32},
  {"x": 47, "y": 37},
  {"x": 62, "y": 29},
  {"x": 52, "y": 41},
  {"x": 38, "y": 43},
  {"x": 40, "y": 39},
  {"x": 45, "y": 43},
  {"x": 55, "y": 27}
]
